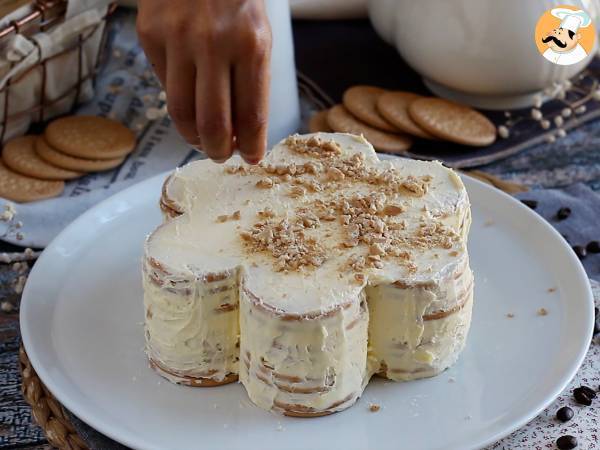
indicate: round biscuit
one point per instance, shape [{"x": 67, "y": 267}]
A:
[
  {"x": 53, "y": 156},
  {"x": 340, "y": 120},
  {"x": 21, "y": 189},
  {"x": 361, "y": 101},
  {"x": 394, "y": 107},
  {"x": 90, "y": 137},
  {"x": 452, "y": 121},
  {"x": 318, "y": 122},
  {"x": 19, "y": 155}
]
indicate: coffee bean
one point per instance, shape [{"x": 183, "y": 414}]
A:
[
  {"x": 593, "y": 247},
  {"x": 582, "y": 398},
  {"x": 580, "y": 251},
  {"x": 566, "y": 442},
  {"x": 563, "y": 213},
  {"x": 586, "y": 390},
  {"x": 564, "y": 414},
  {"x": 531, "y": 203}
]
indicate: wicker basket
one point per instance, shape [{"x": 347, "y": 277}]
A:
[{"x": 47, "y": 62}]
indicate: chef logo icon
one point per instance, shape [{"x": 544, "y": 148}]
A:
[{"x": 565, "y": 35}]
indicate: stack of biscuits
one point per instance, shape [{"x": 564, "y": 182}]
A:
[
  {"x": 392, "y": 120},
  {"x": 36, "y": 167}
]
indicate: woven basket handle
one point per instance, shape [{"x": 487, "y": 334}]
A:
[{"x": 40, "y": 45}]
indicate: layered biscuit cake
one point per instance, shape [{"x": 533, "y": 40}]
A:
[{"x": 309, "y": 273}]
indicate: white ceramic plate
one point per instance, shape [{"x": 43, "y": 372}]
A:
[{"x": 81, "y": 320}]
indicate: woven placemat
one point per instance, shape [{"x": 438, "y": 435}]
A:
[
  {"x": 47, "y": 411},
  {"x": 52, "y": 417}
]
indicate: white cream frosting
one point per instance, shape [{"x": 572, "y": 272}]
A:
[
  {"x": 193, "y": 327},
  {"x": 325, "y": 352}
]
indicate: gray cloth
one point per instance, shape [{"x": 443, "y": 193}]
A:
[{"x": 582, "y": 226}]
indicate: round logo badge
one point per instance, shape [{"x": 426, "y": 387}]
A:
[{"x": 565, "y": 35}]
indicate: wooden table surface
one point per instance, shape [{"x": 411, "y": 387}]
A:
[{"x": 17, "y": 427}]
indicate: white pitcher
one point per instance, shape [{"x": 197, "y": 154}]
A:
[
  {"x": 480, "y": 52},
  {"x": 284, "y": 105}
]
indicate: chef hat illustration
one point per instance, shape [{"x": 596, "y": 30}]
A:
[{"x": 572, "y": 20}]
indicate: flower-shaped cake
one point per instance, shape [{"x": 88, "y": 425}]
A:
[{"x": 309, "y": 273}]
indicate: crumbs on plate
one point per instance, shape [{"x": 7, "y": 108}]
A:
[{"x": 373, "y": 407}]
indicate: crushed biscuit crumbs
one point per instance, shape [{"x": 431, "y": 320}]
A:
[
  {"x": 393, "y": 210},
  {"x": 236, "y": 169},
  {"x": 225, "y": 217},
  {"x": 313, "y": 146},
  {"x": 297, "y": 191},
  {"x": 266, "y": 213},
  {"x": 335, "y": 174},
  {"x": 368, "y": 220},
  {"x": 265, "y": 183},
  {"x": 373, "y": 407},
  {"x": 416, "y": 186},
  {"x": 287, "y": 243}
]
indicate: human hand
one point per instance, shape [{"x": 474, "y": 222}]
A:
[{"x": 212, "y": 57}]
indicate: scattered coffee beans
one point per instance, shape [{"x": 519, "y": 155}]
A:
[
  {"x": 563, "y": 213},
  {"x": 566, "y": 442},
  {"x": 587, "y": 390},
  {"x": 564, "y": 414},
  {"x": 531, "y": 203},
  {"x": 581, "y": 397},
  {"x": 593, "y": 247},
  {"x": 580, "y": 251}
]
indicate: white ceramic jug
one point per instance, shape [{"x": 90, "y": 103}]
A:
[
  {"x": 284, "y": 106},
  {"x": 480, "y": 52}
]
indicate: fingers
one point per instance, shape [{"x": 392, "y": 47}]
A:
[
  {"x": 213, "y": 108},
  {"x": 153, "y": 46},
  {"x": 251, "y": 97},
  {"x": 157, "y": 57},
  {"x": 181, "y": 87},
  {"x": 212, "y": 58}
]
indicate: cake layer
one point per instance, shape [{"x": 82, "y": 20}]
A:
[
  {"x": 309, "y": 273},
  {"x": 192, "y": 324},
  {"x": 411, "y": 338},
  {"x": 306, "y": 366}
]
